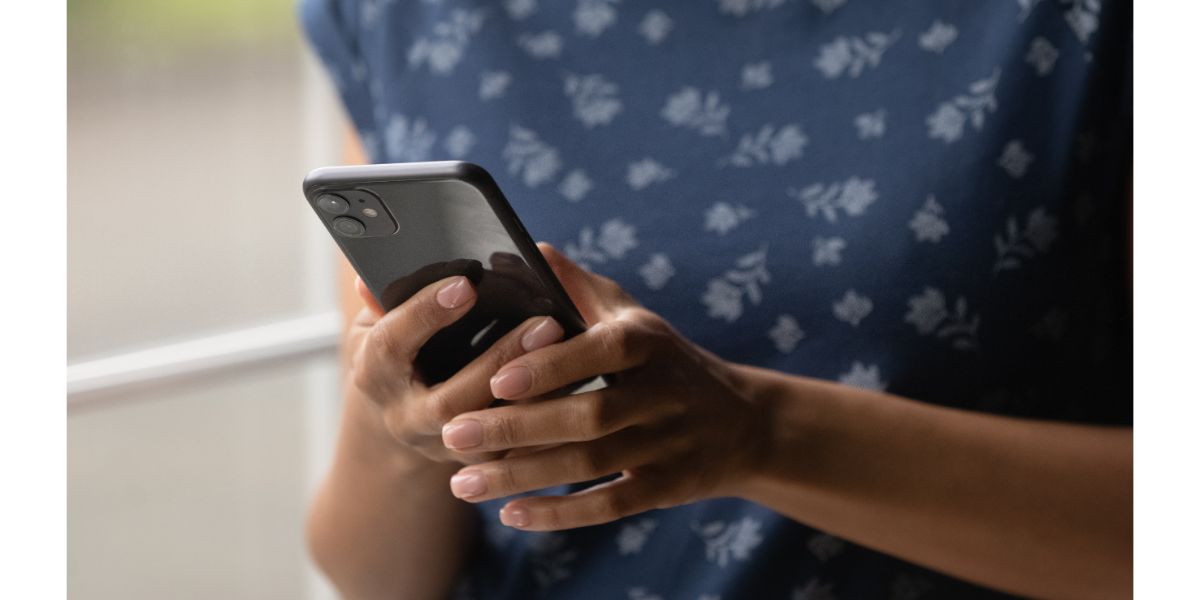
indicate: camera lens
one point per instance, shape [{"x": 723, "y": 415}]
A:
[
  {"x": 349, "y": 226},
  {"x": 333, "y": 205}
]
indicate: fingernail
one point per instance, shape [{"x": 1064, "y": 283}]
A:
[
  {"x": 511, "y": 382},
  {"x": 467, "y": 485},
  {"x": 543, "y": 334},
  {"x": 514, "y": 517},
  {"x": 455, "y": 294},
  {"x": 462, "y": 434}
]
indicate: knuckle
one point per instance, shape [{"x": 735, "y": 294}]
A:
[
  {"x": 421, "y": 315},
  {"x": 439, "y": 407},
  {"x": 614, "y": 337},
  {"x": 505, "y": 479},
  {"x": 594, "y": 418},
  {"x": 591, "y": 462},
  {"x": 502, "y": 432},
  {"x": 611, "y": 506},
  {"x": 552, "y": 517},
  {"x": 382, "y": 342}
]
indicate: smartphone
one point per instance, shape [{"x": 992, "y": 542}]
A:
[{"x": 404, "y": 226}]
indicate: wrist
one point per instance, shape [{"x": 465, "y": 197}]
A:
[{"x": 792, "y": 407}]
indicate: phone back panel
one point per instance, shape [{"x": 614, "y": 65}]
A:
[{"x": 451, "y": 219}]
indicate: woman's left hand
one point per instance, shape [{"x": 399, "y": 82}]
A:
[{"x": 678, "y": 423}]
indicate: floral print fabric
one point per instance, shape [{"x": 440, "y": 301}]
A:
[{"x": 921, "y": 198}]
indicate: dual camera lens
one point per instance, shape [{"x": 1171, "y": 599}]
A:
[{"x": 336, "y": 205}]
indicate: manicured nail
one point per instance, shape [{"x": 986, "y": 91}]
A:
[
  {"x": 458, "y": 435},
  {"x": 514, "y": 517},
  {"x": 543, "y": 334},
  {"x": 468, "y": 485},
  {"x": 456, "y": 293},
  {"x": 511, "y": 382}
]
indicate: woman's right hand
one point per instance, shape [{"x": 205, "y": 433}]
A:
[{"x": 404, "y": 411}]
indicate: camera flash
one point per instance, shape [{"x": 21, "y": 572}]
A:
[{"x": 370, "y": 212}]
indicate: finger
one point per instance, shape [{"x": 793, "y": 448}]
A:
[
  {"x": 607, "y": 347},
  {"x": 468, "y": 390},
  {"x": 576, "y": 418},
  {"x": 596, "y": 296},
  {"x": 630, "y": 494},
  {"x": 368, "y": 297},
  {"x": 569, "y": 463},
  {"x": 392, "y": 344}
]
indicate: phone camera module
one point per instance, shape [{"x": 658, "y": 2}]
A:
[
  {"x": 349, "y": 226},
  {"x": 333, "y": 205}
]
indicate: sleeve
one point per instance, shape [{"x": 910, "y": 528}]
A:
[{"x": 329, "y": 28}]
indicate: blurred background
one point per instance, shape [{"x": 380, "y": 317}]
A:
[{"x": 202, "y": 327}]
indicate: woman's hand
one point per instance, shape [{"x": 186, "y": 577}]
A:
[
  {"x": 407, "y": 412},
  {"x": 678, "y": 423}
]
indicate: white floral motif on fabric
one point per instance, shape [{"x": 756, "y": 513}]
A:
[
  {"x": 865, "y": 377},
  {"x": 1041, "y": 56},
  {"x": 633, "y": 536},
  {"x": 493, "y": 84},
  {"x": 929, "y": 223},
  {"x": 646, "y": 172},
  {"x": 592, "y": 17},
  {"x": 951, "y": 117},
  {"x": 575, "y": 186},
  {"x": 616, "y": 237},
  {"x": 786, "y": 333},
  {"x": 443, "y": 48},
  {"x": 851, "y": 55},
  {"x": 692, "y": 109},
  {"x": 741, "y": 8},
  {"x": 827, "y": 251},
  {"x": 657, "y": 271},
  {"x": 530, "y": 157},
  {"x": 725, "y": 294},
  {"x": 726, "y": 542},
  {"x": 931, "y": 315},
  {"x": 757, "y": 76},
  {"x": 850, "y": 197},
  {"x": 655, "y": 26},
  {"x": 723, "y": 217},
  {"x": 544, "y": 45},
  {"x": 769, "y": 146},
  {"x": 1016, "y": 244},
  {"x": 871, "y": 125},
  {"x": 409, "y": 140},
  {"x": 938, "y": 37},
  {"x": 852, "y": 308},
  {"x": 1015, "y": 159},
  {"x": 594, "y": 99}
]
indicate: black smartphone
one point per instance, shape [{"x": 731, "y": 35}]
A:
[{"x": 404, "y": 226}]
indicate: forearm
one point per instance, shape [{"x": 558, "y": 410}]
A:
[
  {"x": 1036, "y": 508},
  {"x": 384, "y": 524}
]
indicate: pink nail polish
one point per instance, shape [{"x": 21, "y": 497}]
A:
[
  {"x": 455, "y": 294},
  {"x": 514, "y": 517},
  {"x": 511, "y": 382},
  {"x": 468, "y": 485},
  {"x": 543, "y": 334},
  {"x": 458, "y": 435}
]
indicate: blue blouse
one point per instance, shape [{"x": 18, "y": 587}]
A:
[{"x": 927, "y": 198}]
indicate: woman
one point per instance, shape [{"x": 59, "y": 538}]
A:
[{"x": 879, "y": 256}]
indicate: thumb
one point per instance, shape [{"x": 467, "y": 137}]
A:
[{"x": 367, "y": 297}]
